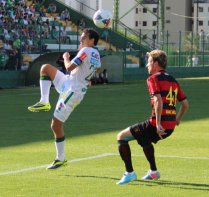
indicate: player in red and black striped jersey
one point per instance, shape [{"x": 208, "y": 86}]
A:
[
  {"x": 168, "y": 88},
  {"x": 165, "y": 92}
]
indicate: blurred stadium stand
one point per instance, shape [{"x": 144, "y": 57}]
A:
[{"x": 122, "y": 61}]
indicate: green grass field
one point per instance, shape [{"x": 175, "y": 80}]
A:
[{"x": 27, "y": 145}]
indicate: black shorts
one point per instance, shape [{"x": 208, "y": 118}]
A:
[{"x": 145, "y": 133}]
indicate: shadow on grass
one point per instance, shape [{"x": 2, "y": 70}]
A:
[
  {"x": 172, "y": 184},
  {"x": 98, "y": 113},
  {"x": 94, "y": 177},
  {"x": 104, "y": 109}
]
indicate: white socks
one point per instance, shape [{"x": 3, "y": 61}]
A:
[
  {"x": 60, "y": 148},
  {"x": 45, "y": 90}
]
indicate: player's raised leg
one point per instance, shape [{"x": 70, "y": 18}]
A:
[{"x": 47, "y": 75}]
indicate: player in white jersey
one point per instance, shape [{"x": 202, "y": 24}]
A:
[{"x": 71, "y": 88}]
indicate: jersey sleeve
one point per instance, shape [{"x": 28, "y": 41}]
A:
[
  {"x": 153, "y": 85},
  {"x": 80, "y": 57}
]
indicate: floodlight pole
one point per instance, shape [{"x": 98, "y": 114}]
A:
[
  {"x": 115, "y": 14},
  {"x": 162, "y": 19},
  {"x": 197, "y": 20}
]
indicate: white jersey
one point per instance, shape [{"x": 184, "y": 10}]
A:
[{"x": 87, "y": 61}]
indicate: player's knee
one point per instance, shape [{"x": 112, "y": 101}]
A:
[
  {"x": 123, "y": 136},
  {"x": 45, "y": 68},
  {"x": 119, "y": 136},
  {"x": 55, "y": 127}
]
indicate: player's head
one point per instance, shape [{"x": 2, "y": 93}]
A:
[
  {"x": 91, "y": 36},
  {"x": 158, "y": 56}
]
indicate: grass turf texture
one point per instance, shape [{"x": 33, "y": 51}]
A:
[{"x": 27, "y": 142}]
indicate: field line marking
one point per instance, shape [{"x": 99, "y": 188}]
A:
[
  {"x": 44, "y": 166},
  {"x": 163, "y": 156},
  {"x": 22, "y": 170},
  {"x": 99, "y": 156},
  {"x": 183, "y": 157},
  {"x": 91, "y": 157}
]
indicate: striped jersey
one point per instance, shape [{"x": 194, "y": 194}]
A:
[{"x": 164, "y": 84}]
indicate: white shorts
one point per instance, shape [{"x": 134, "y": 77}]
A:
[{"x": 68, "y": 99}]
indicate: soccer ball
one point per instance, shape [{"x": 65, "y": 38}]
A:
[{"x": 102, "y": 18}]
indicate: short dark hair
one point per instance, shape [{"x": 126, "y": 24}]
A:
[
  {"x": 158, "y": 56},
  {"x": 92, "y": 34}
]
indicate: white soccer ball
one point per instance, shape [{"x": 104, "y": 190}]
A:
[{"x": 102, "y": 18}]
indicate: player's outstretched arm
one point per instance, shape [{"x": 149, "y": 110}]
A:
[
  {"x": 182, "y": 110},
  {"x": 158, "y": 106}
]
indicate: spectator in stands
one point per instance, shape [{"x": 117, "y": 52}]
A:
[
  {"x": 6, "y": 33},
  {"x": 3, "y": 59},
  {"x": 31, "y": 10},
  {"x": 65, "y": 14},
  {"x": 82, "y": 24},
  {"x": 25, "y": 20},
  {"x": 62, "y": 15},
  {"x": 95, "y": 79},
  {"x": 189, "y": 61},
  {"x": 32, "y": 29},
  {"x": 52, "y": 8},
  {"x": 16, "y": 42},
  {"x": 54, "y": 22},
  {"x": 24, "y": 45},
  {"x": 195, "y": 60},
  {"x": 46, "y": 29},
  {"x": 1, "y": 20},
  {"x": 30, "y": 45},
  {"x": 7, "y": 46},
  {"x": 42, "y": 11},
  {"x": 66, "y": 23},
  {"x": 130, "y": 46},
  {"x": 17, "y": 47},
  {"x": 40, "y": 44},
  {"x": 55, "y": 34},
  {"x": 37, "y": 6},
  {"x": 47, "y": 22},
  {"x": 39, "y": 20},
  {"x": 103, "y": 77},
  {"x": 1, "y": 32},
  {"x": 63, "y": 36},
  {"x": 25, "y": 31}
]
